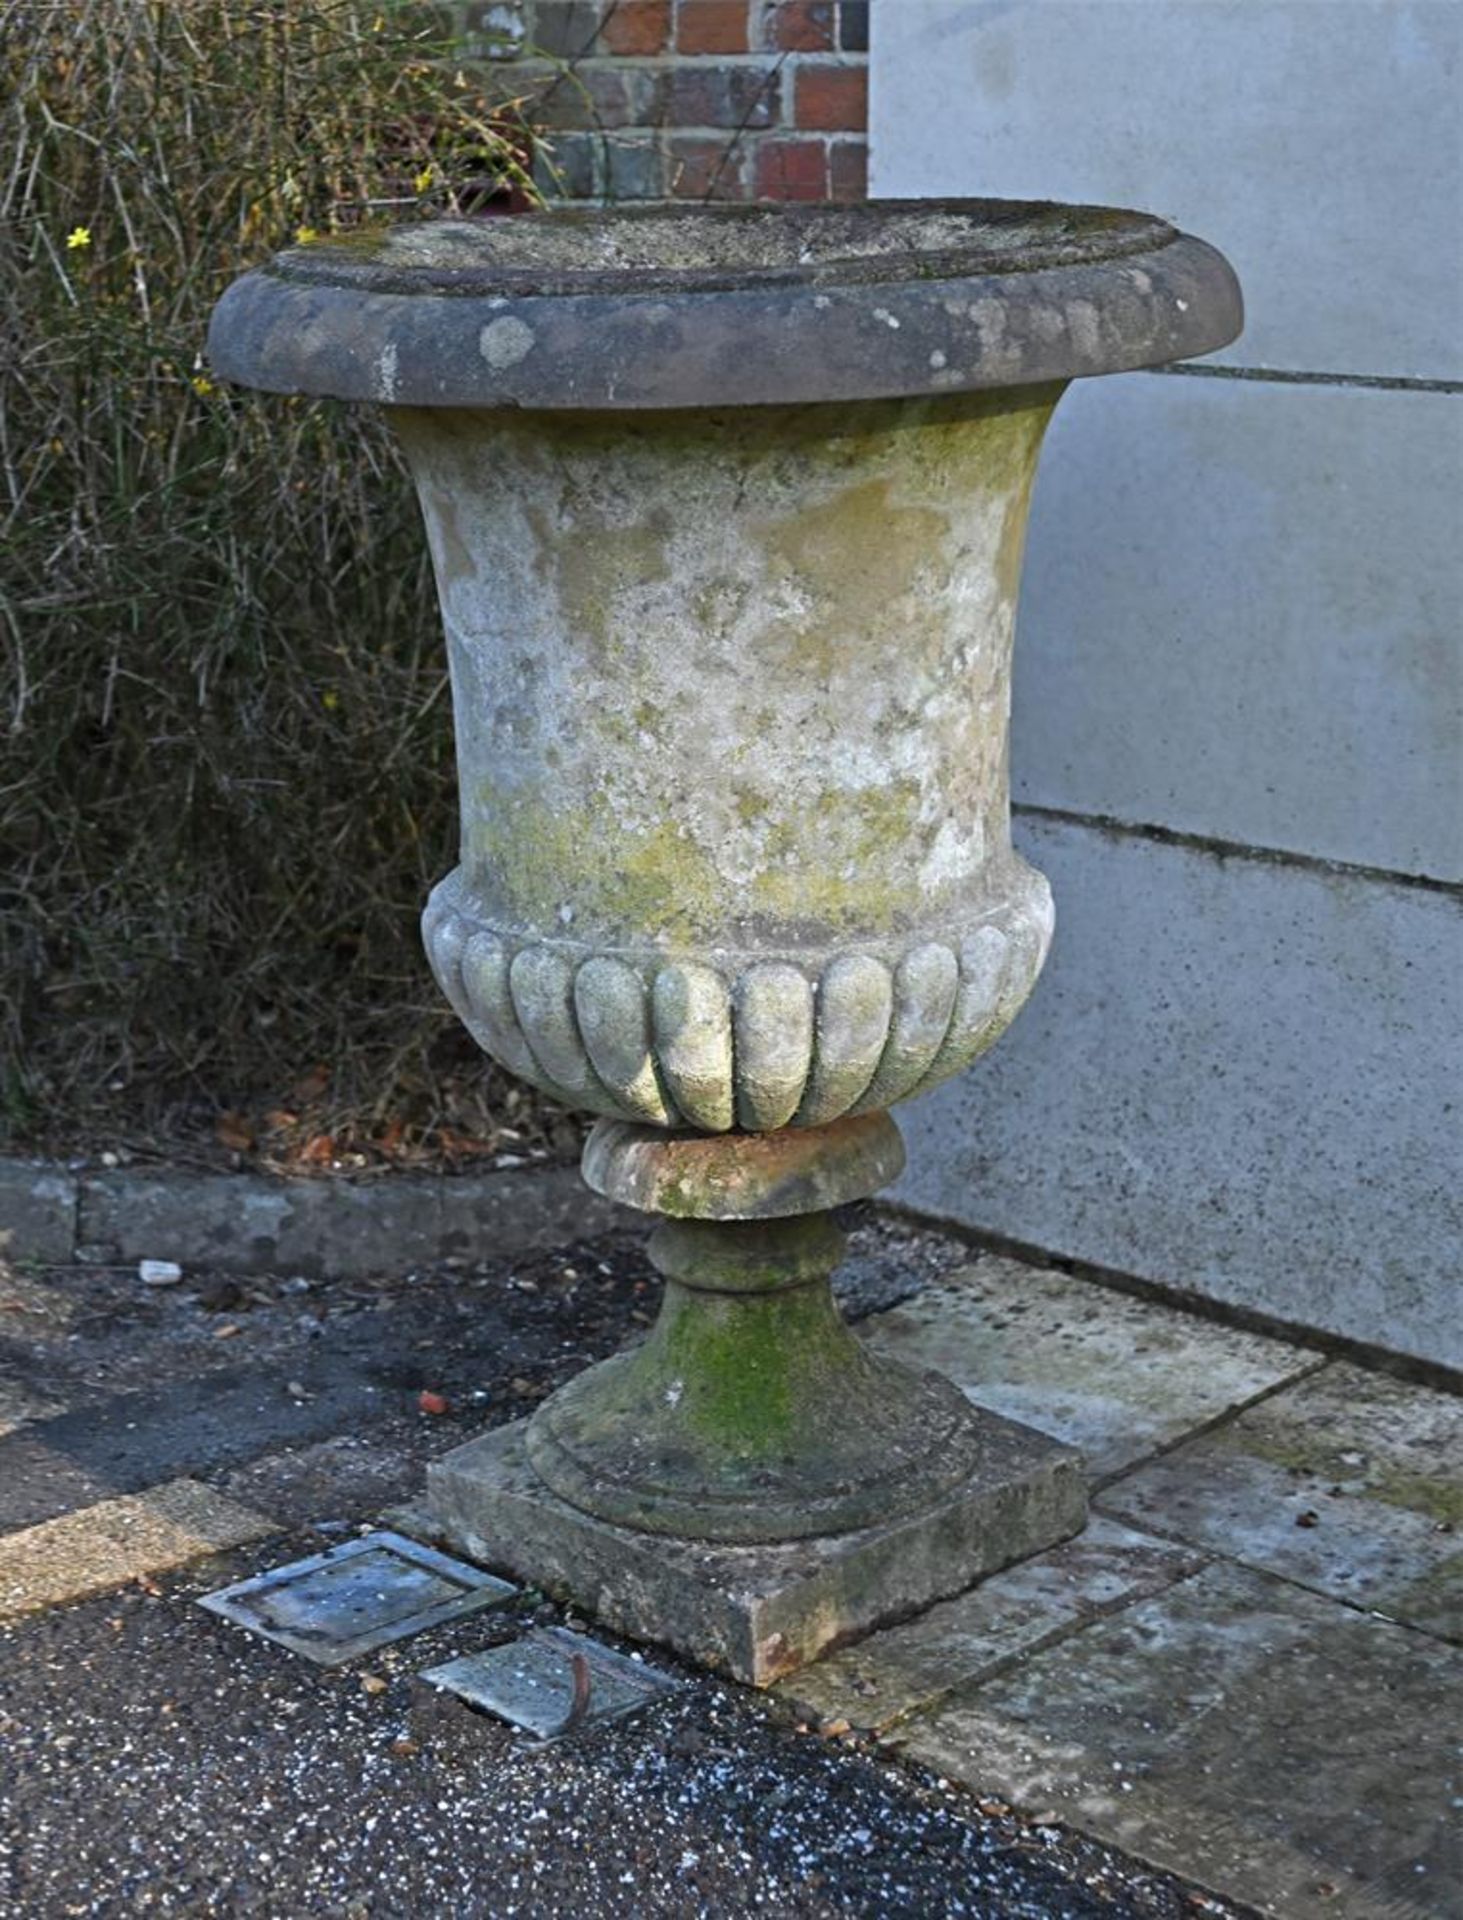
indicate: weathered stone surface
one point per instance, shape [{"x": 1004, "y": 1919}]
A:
[
  {"x": 1277, "y": 1747},
  {"x": 1117, "y": 1377},
  {"x": 743, "y": 1176},
  {"x": 116, "y": 1540},
  {"x": 772, "y": 1044},
  {"x": 332, "y": 1227},
  {"x": 753, "y": 1612},
  {"x": 823, "y": 916},
  {"x": 724, "y": 306},
  {"x": 1349, "y": 1482},
  {"x": 911, "y": 1667},
  {"x": 731, "y": 685},
  {"x": 37, "y": 1212},
  {"x": 731, "y": 1421},
  {"x": 614, "y": 1028}
]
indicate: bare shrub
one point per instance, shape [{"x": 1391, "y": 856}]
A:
[{"x": 227, "y": 775}]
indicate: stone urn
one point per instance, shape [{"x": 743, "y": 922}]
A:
[{"x": 726, "y": 506}]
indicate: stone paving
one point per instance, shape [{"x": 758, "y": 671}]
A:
[
  {"x": 1247, "y": 1671},
  {"x": 1248, "y": 1668}
]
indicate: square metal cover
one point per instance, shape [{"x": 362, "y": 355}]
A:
[
  {"x": 356, "y": 1597},
  {"x": 531, "y": 1682}
]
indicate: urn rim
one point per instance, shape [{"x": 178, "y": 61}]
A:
[
  {"x": 702, "y": 306},
  {"x": 659, "y": 247}
]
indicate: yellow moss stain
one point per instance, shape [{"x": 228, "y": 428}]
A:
[
  {"x": 539, "y": 855},
  {"x": 855, "y": 557},
  {"x": 593, "y": 564}
]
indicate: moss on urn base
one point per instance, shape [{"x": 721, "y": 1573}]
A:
[{"x": 751, "y": 1413}]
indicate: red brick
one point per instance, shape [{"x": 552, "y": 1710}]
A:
[
  {"x": 797, "y": 26},
  {"x": 701, "y": 169},
  {"x": 848, "y": 170},
  {"x": 831, "y": 99},
  {"x": 711, "y": 26},
  {"x": 792, "y": 170},
  {"x": 637, "y": 27}
]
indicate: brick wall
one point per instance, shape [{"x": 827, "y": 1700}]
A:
[{"x": 685, "y": 99}]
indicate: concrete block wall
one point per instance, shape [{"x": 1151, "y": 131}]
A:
[
  {"x": 684, "y": 99},
  {"x": 1238, "y": 713}
]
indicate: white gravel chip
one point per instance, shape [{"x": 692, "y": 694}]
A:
[{"x": 159, "y": 1273}]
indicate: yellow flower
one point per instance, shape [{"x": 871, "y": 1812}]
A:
[
  {"x": 424, "y": 179},
  {"x": 77, "y": 238},
  {"x": 304, "y": 235},
  {"x": 330, "y": 699},
  {"x": 201, "y": 385}
]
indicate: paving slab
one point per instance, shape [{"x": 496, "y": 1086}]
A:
[
  {"x": 1117, "y": 1377},
  {"x": 902, "y": 1669},
  {"x": 1287, "y": 1751},
  {"x": 117, "y": 1540},
  {"x": 213, "y": 1420},
  {"x": 1350, "y": 1482}
]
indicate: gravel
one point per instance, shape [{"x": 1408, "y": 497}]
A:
[{"x": 157, "y": 1761}]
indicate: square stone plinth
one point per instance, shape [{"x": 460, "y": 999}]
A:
[{"x": 757, "y": 1612}]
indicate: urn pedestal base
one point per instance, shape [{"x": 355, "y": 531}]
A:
[
  {"x": 748, "y": 1484},
  {"x": 757, "y": 1612}
]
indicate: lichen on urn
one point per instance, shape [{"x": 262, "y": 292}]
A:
[{"x": 730, "y": 678}]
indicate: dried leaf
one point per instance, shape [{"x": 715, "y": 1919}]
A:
[{"x": 312, "y": 1086}]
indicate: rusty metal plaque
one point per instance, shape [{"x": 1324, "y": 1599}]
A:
[
  {"x": 551, "y": 1682},
  {"x": 356, "y": 1597}
]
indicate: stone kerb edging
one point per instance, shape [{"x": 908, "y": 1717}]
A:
[{"x": 256, "y": 1223}]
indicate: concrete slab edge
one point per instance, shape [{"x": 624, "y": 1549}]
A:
[
  {"x": 1271, "y": 1326},
  {"x": 253, "y": 1222}
]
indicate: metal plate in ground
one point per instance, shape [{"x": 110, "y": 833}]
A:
[
  {"x": 531, "y": 1682},
  {"x": 357, "y": 1597}
]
